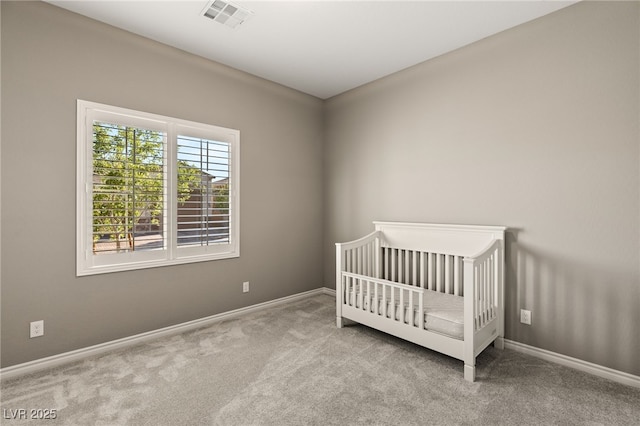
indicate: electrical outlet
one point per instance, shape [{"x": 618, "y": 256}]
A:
[
  {"x": 525, "y": 316},
  {"x": 36, "y": 329},
  {"x": 245, "y": 287}
]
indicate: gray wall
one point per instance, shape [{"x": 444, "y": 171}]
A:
[
  {"x": 535, "y": 128},
  {"x": 50, "y": 58}
]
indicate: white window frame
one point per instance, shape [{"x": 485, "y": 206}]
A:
[{"x": 87, "y": 262}]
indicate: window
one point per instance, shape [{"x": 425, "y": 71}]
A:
[{"x": 153, "y": 190}]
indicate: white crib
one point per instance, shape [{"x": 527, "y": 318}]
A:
[{"x": 439, "y": 286}]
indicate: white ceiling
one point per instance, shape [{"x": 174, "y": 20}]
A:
[{"x": 322, "y": 48}]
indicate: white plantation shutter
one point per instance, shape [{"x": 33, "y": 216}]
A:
[
  {"x": 129, "y": 180},
  {"x": 153, "y": 190},
  {"x": 203, "y": 172}
]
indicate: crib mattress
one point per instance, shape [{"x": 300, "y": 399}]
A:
[{"x": 443, "y": 313}]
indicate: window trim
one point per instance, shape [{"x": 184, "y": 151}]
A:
[{"x": 171, "y": 254}]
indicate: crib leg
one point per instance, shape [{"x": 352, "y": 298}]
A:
[
  {"x": 499, "y": 343},
  {"x": 470, "y": 373},
  {"x": 340, "y": 322}
]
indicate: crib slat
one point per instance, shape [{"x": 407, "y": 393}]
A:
[
  {"x": 485, "y": 296},
  {"x": 415, "y": 268},
  {"x": 411, "y": 322},
  {"x": 393, "y": 265},
  {"x": 387, "y": 264},
  {"x": 383, "y": 262},
  {"x": 488, "y": 287},
  {"x": 384, "y": 300},
  {"x": 496, "y": 286},
  {"x": 481, "y": 283},
  {"x": 430, "y": 270},
  {"x": 422, "y": 281},
  {"x": 344, "y": 281},
  {"x": 478, "y": 297},
  {"x": 349, "y": 291},
  {"x": 376, "y": 256},
  {"x": 401, "y": 306},
  {"x": 421, "y": 313},
  {"x": 372, "y": 259},
  {"x": 447, "y": 274},
  {"x": 354, "y": 262},
  {"x": 407, "y": 264},
  {"x": 352, "y": 289},
  {"x": 365, "y": 255},
  {"x": 487, "y": 290},
  {"x": 475, "y": 296},
  {"x": 375, "y": 300},
  {"x": 456, "y": 275},
  {"x": 393, "y": 305},
  {"x": 439, "y": 273},
  {"x": 493, "y": 286},
  {"x": 348, "y": 268},
  {"x": 363, "y": 260}
]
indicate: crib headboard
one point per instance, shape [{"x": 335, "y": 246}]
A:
[{"x": 460, "y": 240}]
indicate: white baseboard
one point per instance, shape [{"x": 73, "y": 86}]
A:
[
  {"x": 578, "y": 364},
  {"x": 67, "y": 357},
  {"x": 329, "y": 291}
]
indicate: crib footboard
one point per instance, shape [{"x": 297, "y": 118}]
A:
[
  {"x": 483, "y": 303},
  {"x": 359, "y": 257}
]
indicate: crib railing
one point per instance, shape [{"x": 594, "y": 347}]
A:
[{"x": 396, "y": 301}]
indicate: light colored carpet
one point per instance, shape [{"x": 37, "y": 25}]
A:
[{"x": 290, "y": 365}]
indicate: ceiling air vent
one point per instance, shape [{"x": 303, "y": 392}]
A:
[{"x": 226, "y": 13}]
